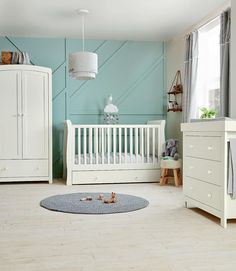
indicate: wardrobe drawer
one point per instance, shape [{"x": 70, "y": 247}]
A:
[
  {"x": 205, "y": 170},
  {"x": 203, "y": 147},
  {"x": 205, "y": 193},
  {"x": 23, "y": 168}
]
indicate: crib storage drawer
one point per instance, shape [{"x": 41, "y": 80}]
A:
[
  {"x": 23, "y": 168},
  {"x": 206, "y": 147},
  {"x": 117, "y": 176},
  {"x": 205, "y": 193},
  {"x": 205, "y": 170}
]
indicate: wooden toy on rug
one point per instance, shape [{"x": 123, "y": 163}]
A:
[
  {"x": 88, "y": 198},
  {"x": 113, "y": 199},
  {"x": 101, "y": 197}
]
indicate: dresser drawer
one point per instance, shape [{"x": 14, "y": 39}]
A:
[
  {"x": 205, "y": 170},
  {"x": 23, "y": 168},
  {"x": 203, "y": 147},
  {"x": 205, "y": 193}
]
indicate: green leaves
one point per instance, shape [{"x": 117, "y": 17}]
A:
[{"x": 207, "y": 113}]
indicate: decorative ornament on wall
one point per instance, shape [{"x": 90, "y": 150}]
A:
[
  {"x": 83, "y": 65},
  {"x": 111, "y": 112}
]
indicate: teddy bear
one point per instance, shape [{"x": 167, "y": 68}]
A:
[{"x": 171, "y": 150}]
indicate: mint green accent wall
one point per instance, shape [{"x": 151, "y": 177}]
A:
[{"x": 133, "y": 72}]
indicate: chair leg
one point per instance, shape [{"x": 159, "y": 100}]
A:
[
  {"x": 166, "y": 176},
  {"x": 180, "y": 177},
  {"x": 162, "y": 176},
  {"x": 176, "y": 177}
]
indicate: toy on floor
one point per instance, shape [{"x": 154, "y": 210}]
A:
[
  {"x": 88, "y": 198},
  {"x": 171, "y": 151},
  {"x": 113, "y": 199},
  {"x": 100, "y": 197}
]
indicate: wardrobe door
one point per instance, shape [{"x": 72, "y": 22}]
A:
[
  {"x": 35, "y": 87},
  {"x": 10, "y": 115}
]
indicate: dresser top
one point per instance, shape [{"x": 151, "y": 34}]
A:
[{"x": 211, "y": 126}]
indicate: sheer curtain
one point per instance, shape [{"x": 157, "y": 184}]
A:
[
  {"x": 225, "y": 30},
  {"x": 191, "y": 64}
]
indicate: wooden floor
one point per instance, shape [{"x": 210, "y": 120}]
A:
[{"x": 163, "y": 236}]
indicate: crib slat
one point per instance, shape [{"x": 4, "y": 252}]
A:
[
  {"x": 131, "y": 143},
  {"x": 136, "y": 143},
  {"x": 114, "y": 145},
  {"x": 120, "y": 146},
  {"x": 141, "y": 145},
  {"x": 108, "y": 145},
  {"x": 102, "y": 145},
  {"x": 147, "y": 144},
  {"x": 85, "y": 146},
  {"x": 153, "y": 145},
  {"x": 90, "y": 146},
  {"x": 125, "y": 140},
  {"x": 79, "y": 146},
  {"x": 96, "y": 144}
]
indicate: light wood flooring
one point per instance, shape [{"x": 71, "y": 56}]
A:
[{"x": 164, "y": 236}]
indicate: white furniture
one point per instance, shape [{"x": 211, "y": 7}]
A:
[
  {"x": 25, "y": 123},
  {"x": 113, "y": 153},
  {"x": 205, "y": 154}
]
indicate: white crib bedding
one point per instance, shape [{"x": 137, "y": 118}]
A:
[{"x": 129, "y": 159}]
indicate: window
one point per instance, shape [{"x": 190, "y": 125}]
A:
[{"x": 208, "y": 72}]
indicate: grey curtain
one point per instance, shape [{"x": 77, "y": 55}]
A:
[
  {"x": 225, "y": 29},
  {"x": 191, "y": 63}
]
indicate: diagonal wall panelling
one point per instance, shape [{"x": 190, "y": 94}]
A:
[{"x": 133, "y": 72}]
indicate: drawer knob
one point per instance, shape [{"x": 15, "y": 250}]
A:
[
  {"x": 209, "y": 195},
  {"x": 37, "y": 168},
  {"x": 191, "y": 146},
  {"x": 209, "y": 172},
  {"x": 210, "y": 148},
  {"x": 191, "y": 167},
  {"x": 4, "y": 169}
]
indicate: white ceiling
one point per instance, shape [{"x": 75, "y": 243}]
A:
[{"x": 108, "y": 19}]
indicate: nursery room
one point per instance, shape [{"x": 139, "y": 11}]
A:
[{"x": 117, "y": 135}]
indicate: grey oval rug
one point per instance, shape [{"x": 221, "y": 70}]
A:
[{"x": 71, "y": 203}]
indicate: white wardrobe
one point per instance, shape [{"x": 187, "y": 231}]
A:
[{"x": 25, "y": 123}]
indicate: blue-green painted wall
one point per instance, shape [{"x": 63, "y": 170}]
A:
[{"x": 133, "y": 72}]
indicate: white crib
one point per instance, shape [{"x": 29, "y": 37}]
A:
[{"x": 113, "y": 153}]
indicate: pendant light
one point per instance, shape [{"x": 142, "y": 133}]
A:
[{"x": 83, "y": 65}]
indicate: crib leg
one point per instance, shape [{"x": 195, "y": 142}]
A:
[{"x": 69, "y": 177}]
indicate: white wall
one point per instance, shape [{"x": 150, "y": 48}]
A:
[
  {"x": 175, "y": 51},
  {"x": 233, "y": 61}
]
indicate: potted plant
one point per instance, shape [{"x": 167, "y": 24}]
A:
[{"x": 207, "y": 113}]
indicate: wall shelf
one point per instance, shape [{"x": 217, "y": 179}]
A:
[{"x": 175, "y": 94}]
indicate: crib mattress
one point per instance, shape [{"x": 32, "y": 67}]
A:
[{"x": 130, "y": 159}]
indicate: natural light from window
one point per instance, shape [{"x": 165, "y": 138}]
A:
[{"x": 208, "y": 72}]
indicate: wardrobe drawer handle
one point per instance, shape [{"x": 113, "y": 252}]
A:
[
  {"x": 191, "y": 167},
  {"x": 209, "y": 195},
  {"x": 4, "y": 169},
  {"x": 191, "y": 146},
  {"x": 209, "y": 172},
  {"x": 210, "y": 148}
]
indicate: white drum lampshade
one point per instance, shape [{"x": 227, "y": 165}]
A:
[{"x": 83, "y": 65}]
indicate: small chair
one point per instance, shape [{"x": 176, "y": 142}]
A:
[{"x": 175, "y": 165}]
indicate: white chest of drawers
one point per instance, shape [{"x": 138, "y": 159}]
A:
[{"x": 205, "y": 153}]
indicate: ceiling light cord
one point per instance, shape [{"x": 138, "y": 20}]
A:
[{"x": 83, "y": 30}]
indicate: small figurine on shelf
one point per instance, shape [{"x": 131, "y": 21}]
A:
[{"x": 111, "y": 115}]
